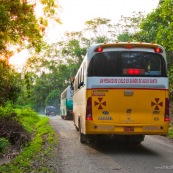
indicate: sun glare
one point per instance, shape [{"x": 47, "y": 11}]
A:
[{"x": 19, "y": 58}]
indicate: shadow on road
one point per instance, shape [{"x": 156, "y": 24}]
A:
[{"x": 113, "y": 147}]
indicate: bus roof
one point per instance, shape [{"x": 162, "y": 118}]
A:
[
  {"x": 126, "y": 45},
  {"x": 134, "y": 44}
]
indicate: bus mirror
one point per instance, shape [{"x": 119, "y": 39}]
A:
[
  {"x": 71, "y": 84},
  {"x": 80, "y": 84}
]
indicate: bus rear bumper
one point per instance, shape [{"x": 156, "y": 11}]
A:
[{"x": 127, "y": 129}]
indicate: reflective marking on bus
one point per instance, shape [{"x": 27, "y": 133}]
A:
[
  {"x": 100, "y": 103},
  {"x": 157, "y": 104}
]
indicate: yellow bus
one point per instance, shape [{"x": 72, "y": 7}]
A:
[{"x": 121, "y": 90}]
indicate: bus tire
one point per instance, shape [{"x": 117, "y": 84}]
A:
[{"x": 82, "y": 138}]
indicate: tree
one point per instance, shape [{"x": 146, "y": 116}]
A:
[
  {"x": 99, "y": 30},
  {"x": 149, "y": 27},
  {"x": 20, "y": 28},
  {"x": 157, "y": 27},
  {"x": 10, "y": 83},
  {"x": 129, "y": 26},
  {"x": 19, "y": 25},
  {"x": 125, "y": 37}
]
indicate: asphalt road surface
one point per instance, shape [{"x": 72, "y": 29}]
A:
[{"x": 153, "y": 155}]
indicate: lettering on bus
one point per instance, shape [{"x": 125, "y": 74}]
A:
[
  {"x": 128, "y": 80},
  {"x": 99, "y": 92}
]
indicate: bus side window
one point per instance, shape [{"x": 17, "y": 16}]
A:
[
  {"x": 78, "y": 80},
  {"x": 84, "y": 72},
  {"x": 72, "y": 85},
  {"x": 79, "y": 83},
  {"x": 81, "y": 79},
  {"x": 76, "y": 83}
]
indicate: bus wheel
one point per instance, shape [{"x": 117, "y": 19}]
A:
[{"x": 82, "y": 137}]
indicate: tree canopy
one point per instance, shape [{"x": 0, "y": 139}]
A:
[{"x": 20, "y": 27}]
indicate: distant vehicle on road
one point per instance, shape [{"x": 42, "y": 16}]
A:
[
  {"x": 66, "y": 107},
  {"x": 50, "y": 110}
]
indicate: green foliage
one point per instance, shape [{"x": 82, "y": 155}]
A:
[
  {"x": 38, "y": 150},
  {"x": 6, "y": 111},
  {"x": 170, "y": 132},
  {"x": 47, "y": 74},
  {"x": 10, "y": 83},
  {"x": 99, "y": 29},
  {"x": 11, "y": 128},
  {"x": 4, "y": 143},
  {"x": 157, "y": 27},
  {"x": 18, "y": 23},
  {"x": 28, "y": 118},
  {"x": 42, "y": 133},
  {"x": 124, "y": 37},
  {"x": 20, "y": 27}
]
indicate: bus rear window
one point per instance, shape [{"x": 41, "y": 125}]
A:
[{"x": 127, "y": 63}]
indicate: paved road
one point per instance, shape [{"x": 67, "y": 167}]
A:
[{"x": 154, "y": 155}]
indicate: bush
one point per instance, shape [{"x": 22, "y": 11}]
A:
[
  {"x": 170, "y": 132},
  {"x": 4, "y": 143},
  {"x": 11, "y": 127}
]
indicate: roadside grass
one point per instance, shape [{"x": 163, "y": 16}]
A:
[
  {"x": 170, "y": 132},
  {"x": 34, "y": 156}
]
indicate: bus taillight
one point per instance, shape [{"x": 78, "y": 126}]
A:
[
  {"x": 129, "y": 47},
  {"x": 166, "y": 118},
  {"x": 158, "y": 50},
  {"x": 133, "y": 71},
  {"x": 89, "y": 109},
  {"x": 99, "y": 49}
]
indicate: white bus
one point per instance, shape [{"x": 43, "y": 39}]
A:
[
  {"x": 121, "y": 89},
  {"x": 66, "y": 107}
]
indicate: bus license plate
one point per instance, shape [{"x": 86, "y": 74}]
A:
[{"x": 129, "y": 129}]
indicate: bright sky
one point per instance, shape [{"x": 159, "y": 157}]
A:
[{"x": 76, "y": 12}]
